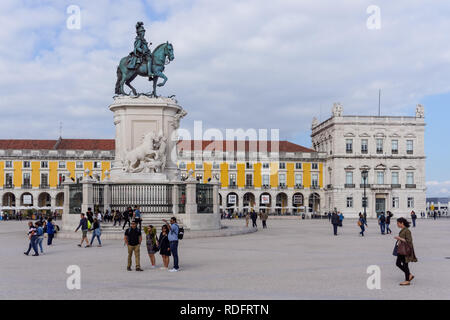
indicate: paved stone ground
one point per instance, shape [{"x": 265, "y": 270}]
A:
[{"x": 292, "y": 259}]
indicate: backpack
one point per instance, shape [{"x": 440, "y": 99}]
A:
[
  {"x": 382, "y": 219},
  {"x": 180, "y": 233}
]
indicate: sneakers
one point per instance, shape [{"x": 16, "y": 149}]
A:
[
  {"x": 79, "y": 245},
  {"x": 173, "y": 270},
  {"x": 139, "y": 269},
  {"x": 153, "y": 267},
  {"x": 128, "y": 269}
]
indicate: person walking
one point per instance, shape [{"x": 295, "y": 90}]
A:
[
  {"x": 382, "y": 222},
  {"x": 405, "y": 250},
  {"x": 173, "y": 241},
  {"x": 329, "y": 216},
  {"x": 127, "y": 214},
  {"x": 133, "y": 239},
  {"x": 137, "y": 216},
  {"x": 50, "y": 230},
  {"x": 164, "y": 247},
  {"x": 341, "y": 219},
  {"x": 84, "y": 229},
  {"x": 335, "y": 222},
  {"x": 96, "y": 233},
  {"x": 388, "y": 222},
  {"x": 361, "y": 224},
  {"x": 264, "y": 216},
  {"x": 152, "y": 243},
  {"x": 32, "y": 237},
  {"x": 90, "y": 215},
  {"x": 247, "y": 218},
  {"x": 254, "y": 216},
  {"x": 413, "y": 218},
  {"x": 40, "y": 236},
  {"x": 117, "y": 217}
]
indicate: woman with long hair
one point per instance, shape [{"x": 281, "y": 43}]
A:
[
  {"x": 405, "y": 250},
  {"x": 152, "y": 243},
  {"x": 164, "y": 246}
]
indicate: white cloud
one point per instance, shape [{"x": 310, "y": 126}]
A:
[{"x": 251, "y": 63}]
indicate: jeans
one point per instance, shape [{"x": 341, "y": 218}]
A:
[
  {"x": 137, "y": 255},
  {"x": 414, "y": 223},
  {"x": 362, "y": 230},
  {"x": 96, "y": 234},
  {"x": 174, "y": 250},
  {"x": 33, "y": 245},
  {"x": 335, "y": 227},
  {"x": 254, "y": 223},
  {"x": 382, "y": 227},
  {"x": 50, "y": 239},
  {"x": 403, "y": 265},
  {"x": 387, "y": 228},
  {"x": 39, "y": 243}
]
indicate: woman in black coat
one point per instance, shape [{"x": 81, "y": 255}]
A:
[{"x": 164, "y": 246}]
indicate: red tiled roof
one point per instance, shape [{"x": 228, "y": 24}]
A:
[
  {"x": 109, "y": 144},
  {"x": 241, "y": 145},
  {"x": 62, "y": 144}
]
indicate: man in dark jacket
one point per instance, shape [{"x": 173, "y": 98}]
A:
[
  {"x": 335, "y": 222},
  {"x": 254, "y": 216},
  {"x": 84, "y": 229},
  {"x": 127, "y": 215}
]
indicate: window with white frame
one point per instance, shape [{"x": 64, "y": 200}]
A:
[
  {"x": 349, "y": 202},
  {"x": 182, "y": 165},
  {"x": 61, "y": 178},
  {"x": 410, "y": 202},
  {"x": 314, "y": 166},
  {"x": 394, "y": 146},
  {"x": 44, "y": 164},
  {"x": 97, "y": 165},
  {"x": 8, "y": 164},
  {"x": 27, "y": 179},
  {"x": 8, "y": 179},
  {"x": 282, "y": 179},
  {"x": 409, "y": 146},
  {"x": 248, "y": 165},
  {"x": 298, "y": 179},
  {"x": 314, "y": 180},
  {"x": 232, "y": 165},
  {"x": 79, "y": 165},
  {"x": 298, "y": 165},
  {"x": 395, "y": 202},
  {"x": 79, "y": 177},
  {"x": 265, "y": 180},
  {"x": 61, "y": 165},
  {"x": 380, "y": 177},
  {"x": 364, "y": 146},
  {"x": 199, "y": 177},
  {"x": 394, "y": 178},
  {"x": 379, "y": 142},
  {"x": 232, "y": 179},
  {"x": 348, "y": 177},
  {"x": 249, "y": 179},
  {"x": 199, "y": 166},
  {"x": 410, "y": 177},
  {"x": 44, "y": 179},
  {"x": 26, "y": 164},
  {"x": 282, "y": 165},
  {"x": 349, "y": 145},
  {"x": 216, "y": 165},
  {"x": 265, "y": 165}
]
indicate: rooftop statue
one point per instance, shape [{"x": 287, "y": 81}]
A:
[{"x": 143, "y": 62}]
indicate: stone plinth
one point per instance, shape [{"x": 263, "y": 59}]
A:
[{"x": 134, "y": 118}]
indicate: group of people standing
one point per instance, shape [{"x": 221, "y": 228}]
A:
[
  {"x": 252, "y": 215},
  {"x": 166, "y": 244}
]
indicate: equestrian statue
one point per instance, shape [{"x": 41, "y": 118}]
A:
[{"x": 143, "y": 62}]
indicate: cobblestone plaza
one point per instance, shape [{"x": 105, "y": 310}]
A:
[{"x": 292, "y": 259}]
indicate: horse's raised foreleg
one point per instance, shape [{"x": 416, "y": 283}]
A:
[
  {"x": 161, "y": 75},
  {"x": 155, "y": 81}
]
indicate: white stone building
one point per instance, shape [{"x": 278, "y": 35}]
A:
[{"x": 390, "y": 148}]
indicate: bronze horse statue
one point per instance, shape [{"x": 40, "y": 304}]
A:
[{"x": 161, "y": 56}]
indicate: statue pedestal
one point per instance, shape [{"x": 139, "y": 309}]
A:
[{"x": 137, "y": 118}]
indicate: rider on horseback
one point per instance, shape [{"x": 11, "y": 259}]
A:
[{"x": 141, "y": 52}]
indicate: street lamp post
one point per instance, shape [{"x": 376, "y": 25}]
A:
[{"x": 364, "y": 175}]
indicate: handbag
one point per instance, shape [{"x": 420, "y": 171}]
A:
[
  {"x": 404, "y": 249},
  {"x": 395, "y": 251}
]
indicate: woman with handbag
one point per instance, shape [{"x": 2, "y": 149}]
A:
[
  {"x": 152, "y": 243},
  {"x": 404, "y": 250}
]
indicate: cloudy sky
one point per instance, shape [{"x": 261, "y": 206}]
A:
[{"x": 238, "y": 64}]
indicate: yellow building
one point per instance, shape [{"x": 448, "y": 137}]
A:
[{"x": 280, "y": 177}]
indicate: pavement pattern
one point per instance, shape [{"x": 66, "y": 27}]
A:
[{"x": 292, "y": 259}]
